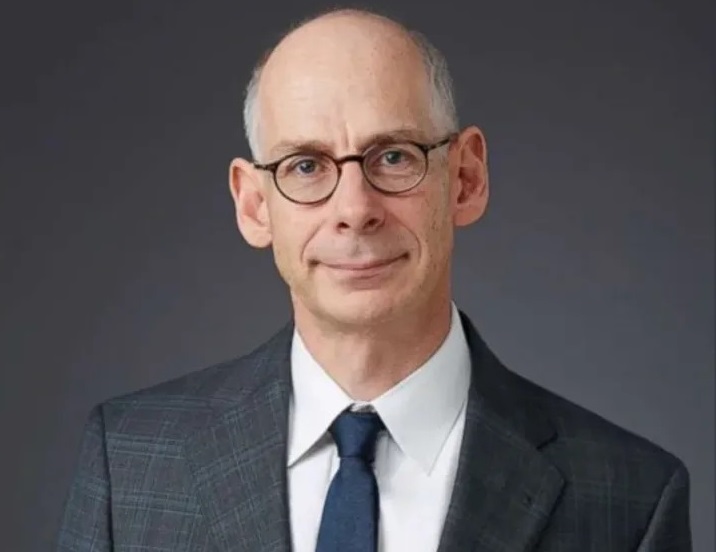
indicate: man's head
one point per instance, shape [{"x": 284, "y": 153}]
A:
[{"x": 334, "y": 87}]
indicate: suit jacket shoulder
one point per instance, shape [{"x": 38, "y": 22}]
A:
[
  {"x": 195, "y": 463},
  {"x": 184, "y": 404},
  {"x": 582, "y": 431},
  {"x": 539, "y": 472}
]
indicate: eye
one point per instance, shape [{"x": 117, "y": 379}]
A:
[
  {"x": 305, "y": 165},
  {"x": 393, "y": 157}
]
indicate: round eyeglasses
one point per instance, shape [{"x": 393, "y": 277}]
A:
[{"x": 312, "y": 177}]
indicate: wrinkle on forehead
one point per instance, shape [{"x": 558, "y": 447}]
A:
[{"x": 341, "y": 76}]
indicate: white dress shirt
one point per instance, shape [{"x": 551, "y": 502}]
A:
[{"x": 415, "y": 459}]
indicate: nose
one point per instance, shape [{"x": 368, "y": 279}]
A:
[{"x": 356, "y": 205}]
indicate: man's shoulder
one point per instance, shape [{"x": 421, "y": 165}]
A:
[
  {"x": 585, "y": 440},
  {"x": 575, "y": 437},
  {"x": 186, "y": 403}
]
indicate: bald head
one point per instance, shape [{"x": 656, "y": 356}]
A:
[
  {"x": 341, "y": 30},
  {"x": 346, "y": 60}
]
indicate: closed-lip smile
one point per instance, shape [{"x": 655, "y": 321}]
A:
[
  {"x": 362, "y": 265},
  {"x": 358, "y": 266}
]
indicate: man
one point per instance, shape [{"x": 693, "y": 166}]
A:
[{"x": 378, "y": 419}]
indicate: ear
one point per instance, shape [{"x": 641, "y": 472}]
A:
[
  {"x": 470, "y": 176},
  {"x": 249, "y": 195}
]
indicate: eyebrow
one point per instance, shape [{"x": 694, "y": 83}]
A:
[{"x": 287, "y": 147}]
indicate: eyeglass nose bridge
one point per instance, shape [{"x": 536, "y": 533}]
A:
[
  {"x": 347, "y": 159},
  {"x": 358, "y": 158}
]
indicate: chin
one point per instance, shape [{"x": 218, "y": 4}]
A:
[
  {"x": 363, "y": 307},
  {"x": 363, "y": 300}
]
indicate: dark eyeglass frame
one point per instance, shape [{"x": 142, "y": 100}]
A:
[{"x": 360, "y": 158}]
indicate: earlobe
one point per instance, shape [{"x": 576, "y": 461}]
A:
[
  {"x": 252, "y": 215},
  {"x": 472, "y": 177}
]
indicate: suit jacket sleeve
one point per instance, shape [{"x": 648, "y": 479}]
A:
[
  {"x": 669, "y": 528},
  {"x": 86, "y": 521}
]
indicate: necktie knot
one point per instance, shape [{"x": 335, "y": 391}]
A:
[{"x": 355, "y": 434}]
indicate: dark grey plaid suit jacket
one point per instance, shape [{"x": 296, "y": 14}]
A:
[{"x": 199, "y": 463}]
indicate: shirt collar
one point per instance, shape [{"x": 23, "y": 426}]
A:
[
  {"x": 418, "y": 412},
  {"x": 315, "y": 402}
]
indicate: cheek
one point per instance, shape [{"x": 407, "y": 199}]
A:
[
  {"x": 282, "y": 258},
  {"x": 437, "y": 224},
  {"x": 435, "y": 247},
  {"x": 289, "y": 237}
]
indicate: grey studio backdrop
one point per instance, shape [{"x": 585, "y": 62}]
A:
[{"x": 592, "y": 274}]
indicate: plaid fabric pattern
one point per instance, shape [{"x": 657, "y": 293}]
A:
[{"x": 199, "y": 464}]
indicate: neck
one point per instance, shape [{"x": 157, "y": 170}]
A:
[{"x": 367, "y": 360}]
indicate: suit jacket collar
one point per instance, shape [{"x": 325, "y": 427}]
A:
[{"x": 504, "y": 492}]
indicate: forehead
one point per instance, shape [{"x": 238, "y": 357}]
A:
[{"x": 341, "y": 85}]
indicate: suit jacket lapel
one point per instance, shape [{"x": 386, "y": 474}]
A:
[
  {"x": 505, "y": 489},
  {"x": 238, "y": 459}
]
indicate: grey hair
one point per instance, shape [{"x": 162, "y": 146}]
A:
[{"x": 442, "y": 101}]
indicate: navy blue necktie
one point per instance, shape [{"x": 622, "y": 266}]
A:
[{"x": 350, "y": 513}]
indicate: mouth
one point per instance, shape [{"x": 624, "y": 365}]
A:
[
  {"x": 359, "y": 266},
  {"x": 364, "y": 269}
]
